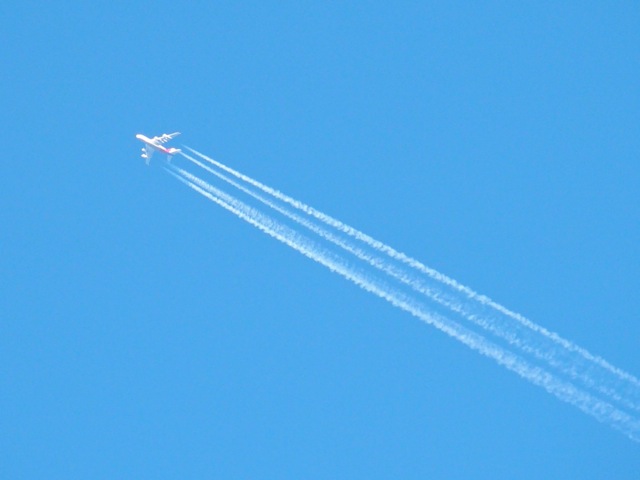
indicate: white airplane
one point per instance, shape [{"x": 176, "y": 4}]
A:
[{"x": 155, "y": 143}]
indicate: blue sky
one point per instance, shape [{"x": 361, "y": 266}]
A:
[{"x": 147, "y": 333}]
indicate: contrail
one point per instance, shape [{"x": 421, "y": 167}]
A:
[
  {"x": 572, "y": 360},
  {"x": 433, "y": 293},
  {"x": 601, "y": 410}
]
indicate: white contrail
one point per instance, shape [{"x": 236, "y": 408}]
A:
[
  {"x": 602, "y": 411},
  {"x": 414, "y": 263},
  {"x": 513, "y": 336},
  {"x": 386, "y": 267},
  {"x": 594, "y": 374}
]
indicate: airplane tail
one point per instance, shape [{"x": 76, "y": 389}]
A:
[{"x": 172, "y": 152}]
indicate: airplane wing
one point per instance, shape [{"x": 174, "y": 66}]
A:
[
  {"x": 165, "y": 137},
  {"x": 148, "y": 151}
]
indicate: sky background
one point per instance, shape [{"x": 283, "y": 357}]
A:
[{"x": 147, "y": 333}]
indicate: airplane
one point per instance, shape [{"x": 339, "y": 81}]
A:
[{"x": 155, "y": 143}]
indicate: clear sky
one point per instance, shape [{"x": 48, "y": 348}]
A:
[{"x": 147, "y": 333}]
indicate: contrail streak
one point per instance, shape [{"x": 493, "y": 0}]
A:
[
  {"x": 570, "y": 359},
  {"x": 601, "y": 410},
  {"x": 384, "y": 266}
]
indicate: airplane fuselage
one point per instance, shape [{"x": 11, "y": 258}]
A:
[
  {"x": 157, "y": 144},
  {"x": 153, "y": 144}
]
